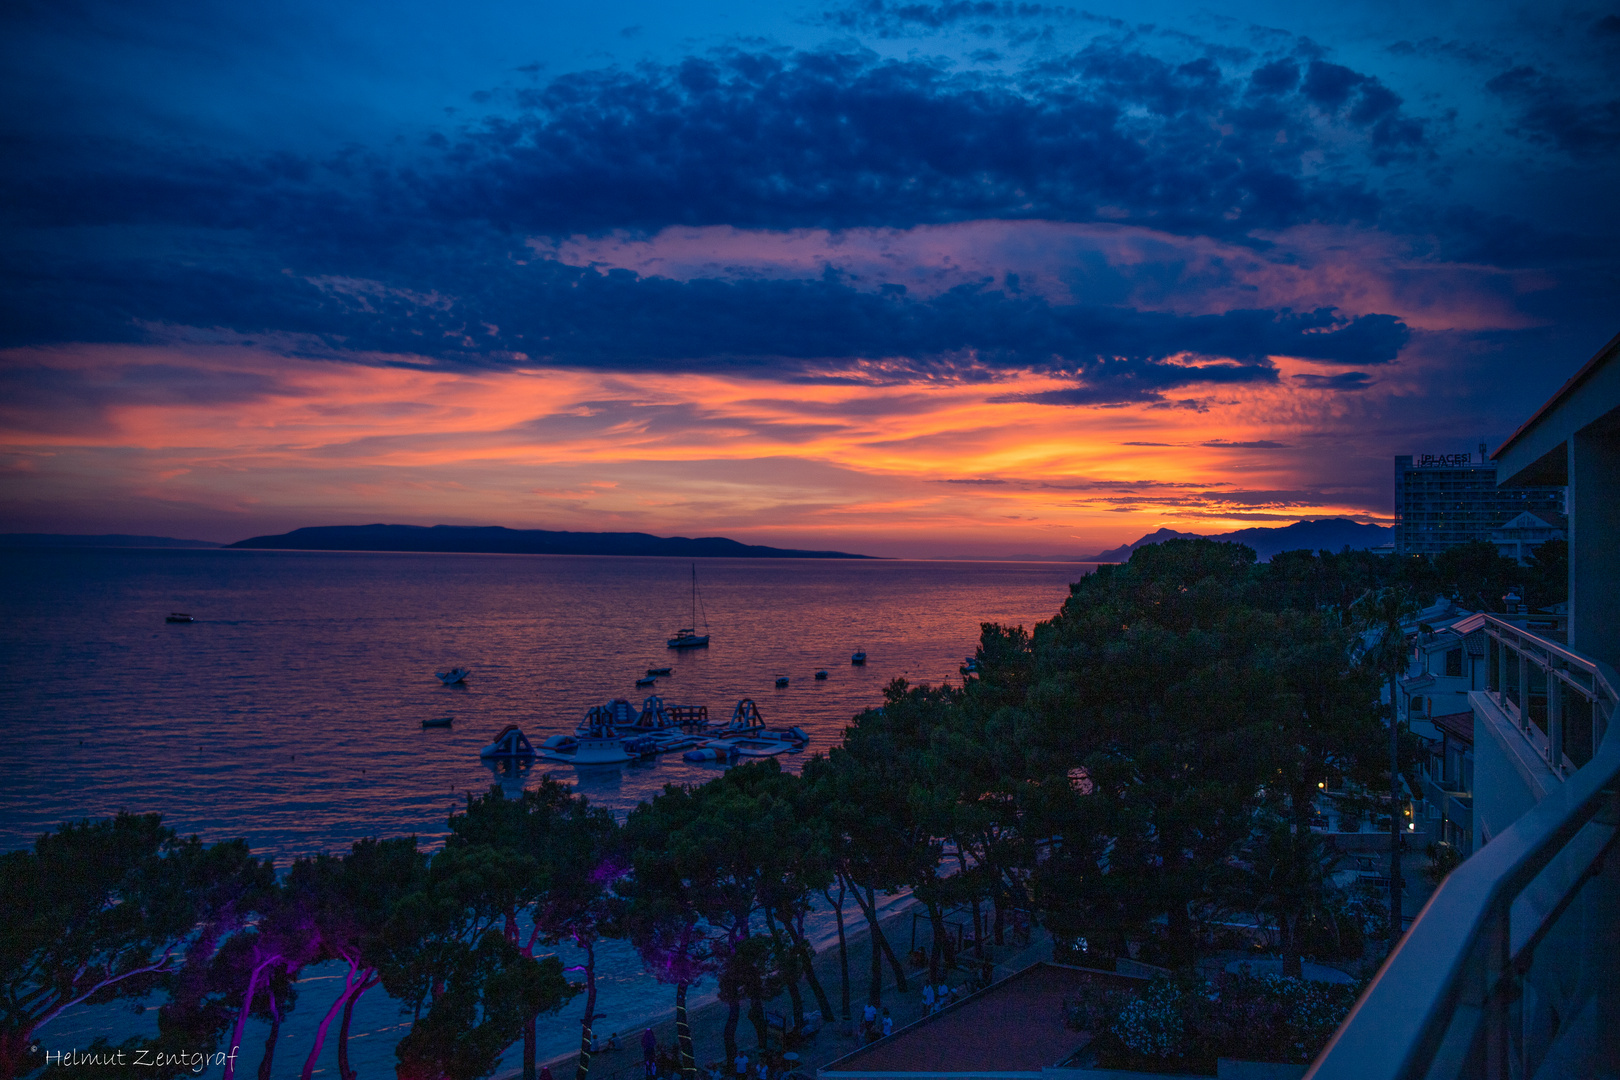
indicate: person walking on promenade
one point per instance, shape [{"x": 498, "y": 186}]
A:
[
  {"x": 928, "y": 998},
  {"x": 742, "y": 1065},
  {"x": 649, "y": 1052},
  {"x": 868, "y": 1022},
  {"x": 888, "y": 1024}
]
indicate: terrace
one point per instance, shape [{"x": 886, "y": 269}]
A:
[{"x": 1508, "y": 970}]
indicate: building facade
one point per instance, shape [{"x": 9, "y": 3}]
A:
[
  {"x": 1519, "y": 538},
  {"x": 1442, "y": 500}
]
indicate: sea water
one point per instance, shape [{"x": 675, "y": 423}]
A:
[{"x": 290, "y": 711}]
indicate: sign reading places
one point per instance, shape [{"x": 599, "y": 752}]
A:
[{"x": 1440, "y": 461}]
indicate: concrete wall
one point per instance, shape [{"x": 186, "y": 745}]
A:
[
  {"x": 1594, "y": 541},
  {"x": 1508, "y": 776}
]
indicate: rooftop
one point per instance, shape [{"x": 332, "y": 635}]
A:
[{"x": 1014, "y": 1026}]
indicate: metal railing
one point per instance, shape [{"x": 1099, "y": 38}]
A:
[
  {"x": 1561, "y": 700},
  {"x": 1511, "y": 955}
]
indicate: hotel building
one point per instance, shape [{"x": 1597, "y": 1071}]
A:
[{"x": 1442, "y": 500}]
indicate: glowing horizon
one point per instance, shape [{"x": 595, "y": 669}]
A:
[{"x": 886, "y": 279}]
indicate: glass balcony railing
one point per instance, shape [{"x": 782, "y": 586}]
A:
[{"x": 1508, "y": 972}]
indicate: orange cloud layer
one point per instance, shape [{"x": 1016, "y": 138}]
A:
[{"x": 228, "y": 441}]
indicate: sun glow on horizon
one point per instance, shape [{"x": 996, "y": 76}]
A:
[{"x": 244, "y": 440}]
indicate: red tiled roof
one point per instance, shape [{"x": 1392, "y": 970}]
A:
[
  {"x": 1459, "y": 726},
  {"x": 1016, "y": 1025}
]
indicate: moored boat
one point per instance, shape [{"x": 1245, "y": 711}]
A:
[
  {"x": 178, "y": 616},
  {"x": 858, "y": 658},
  {"x": 453, "y": 676},
  {"x": 781, "y": 680},
  {"x": 655, "y": 672},
  {"x": 441, "y": 721},
  {"x": 821, "y": 675},
  {"x": 687, "y": 637}
]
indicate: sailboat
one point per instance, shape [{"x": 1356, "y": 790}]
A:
[{"x": 687, "y": 637}]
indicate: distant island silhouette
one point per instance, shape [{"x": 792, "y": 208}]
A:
[
  {"x": 498, "y": 540},
  {"x": 1330, "y": 534},
  {"x": 99, "y": 540}
]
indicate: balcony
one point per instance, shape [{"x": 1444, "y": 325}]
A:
[{"x": 1508, "y": 970}]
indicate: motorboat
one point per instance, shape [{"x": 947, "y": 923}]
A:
[
  {"x": 858, "y": 658},
  {"x": 781, "y": 680},
  {"x": 821, "y": 675},
  {"x": 510, "y": 743},
  {"x": 687, "y": 637},
  {"x": 442, "y": 721},
  {"x": 178, "y": 616},
  {"x": 453, "y": 676},
  {"x": 656, "y": 672},
  {"x": 646, "y": 681}
]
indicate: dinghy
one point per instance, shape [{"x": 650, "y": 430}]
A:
[{"x": 453, "y": 676}]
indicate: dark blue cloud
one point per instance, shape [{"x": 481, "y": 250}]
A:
[
  {"x": 1554, "y": 112},
  {"x": 492, "y": 311},
  {"x": 773, "y": 139},
  {"x": 1345, "y": 380}
]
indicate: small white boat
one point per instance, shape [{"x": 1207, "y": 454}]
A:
[
  {"x": 657, "y": 671},
  {"x": 453, "y": 676},
  {"x": 441, "y": 721},
  {"x": 646, "y": 681},
  {"x": 858, "y": 658},
  {"x": 781, "y": 680},
  {"x": 178, "y": 616},
  {"x": 510, "y": 743},
  {"x": 820, "y": 675}
]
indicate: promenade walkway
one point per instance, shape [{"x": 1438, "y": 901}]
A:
[{"x": 837, "y": 1037}]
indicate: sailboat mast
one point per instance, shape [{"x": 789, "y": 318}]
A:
[{"x": 694, "y": 598}]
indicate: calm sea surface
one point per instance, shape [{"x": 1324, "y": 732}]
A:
[{"x": 290, "y": 712}]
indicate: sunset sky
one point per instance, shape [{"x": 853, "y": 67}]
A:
[{"x": 919, "y": 278}]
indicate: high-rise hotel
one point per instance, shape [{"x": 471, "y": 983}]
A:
[{"x": 1442, "y": 500}]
